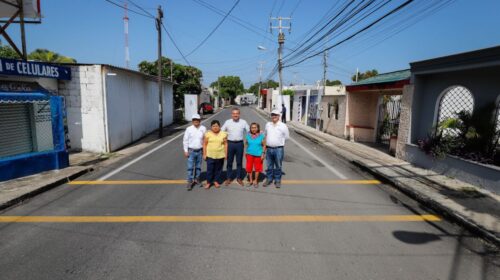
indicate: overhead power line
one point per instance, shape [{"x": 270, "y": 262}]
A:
[
  {"x": 130, "y": 10},
  {"x": 141, "y": 8},
  {"x": 356, "y": 33},
  {"x": 215, "y": 29},
  {"x": 295, "y": 8},
  {"x": 175, "y": 44}
]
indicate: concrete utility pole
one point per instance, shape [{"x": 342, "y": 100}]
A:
[
  {"x": 261, "y": 67},
  {"x": 320, "y": 109},
  {"x": 125, "y": 26},
  {"x": 281, "y": 41},
  {"x": 159, "y": 18}
]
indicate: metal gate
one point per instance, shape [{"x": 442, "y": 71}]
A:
[
  {"x": 388, "y": 118},
  {"x": 15, "y": 126}
]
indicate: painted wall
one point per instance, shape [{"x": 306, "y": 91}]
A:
[
  {"x": 331, "y": 125},
  {"x": 483, "y": 83},
  {"x": 190, "y": 106},
  {"x": 363, "y": 113},
  {"x": 277, "y": 101},
  {"x": 471, "y": 172},
  {"x": 105, "y": 118},
  {"x": 132, "y": 106},
  {"x": 84, "y": 100}
]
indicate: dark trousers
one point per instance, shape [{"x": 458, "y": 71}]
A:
[
  {"x": 214, "y": 170},
  {"x": 235, "y": 150},
  {"x": 274, "y": 161},
  {"x": 283, "y": 118}
]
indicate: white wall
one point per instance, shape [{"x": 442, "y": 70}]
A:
[
  {"x": 85, "y": 108},
  {"x": 104, "y": 119},
  {"x": 277, "y": 101},
  {"x": 190, "y": 105},
  {"x": 132, "y": 106}
]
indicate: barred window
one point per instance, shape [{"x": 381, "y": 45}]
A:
[{"x": 456, "y": 99}]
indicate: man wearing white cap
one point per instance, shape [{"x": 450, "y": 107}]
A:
[
  {"x": 276, "y": 135},
  {"x": 193, "y": 144}
]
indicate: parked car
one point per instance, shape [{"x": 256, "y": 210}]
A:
[{"x": 206, "y": 108}]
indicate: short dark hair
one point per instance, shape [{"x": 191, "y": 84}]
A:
[
  {"x": 258, "y": 126},
  {"x": 215, "y": 122}
]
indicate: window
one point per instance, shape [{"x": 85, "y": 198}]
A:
[
  {"x": 333, "y": 110},
  {"x": 456, "y": 99}
]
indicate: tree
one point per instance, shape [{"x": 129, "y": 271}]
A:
[
  {"x": 366, "y": 75},
  {"x": 187, "y": 79},
  {"x": 49, "y": 56},
  {"x": 333, "y": 83},
  {"x": 8, "y": 52},
  {"x": 288, "y": 92},
  {"x": 229, "y": 86}
]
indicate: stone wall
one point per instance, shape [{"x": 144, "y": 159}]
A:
[{"x": 404, "y": 121}]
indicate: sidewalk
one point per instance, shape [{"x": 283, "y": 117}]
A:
[
  {"x": 474, "y": 208},
  {"x": 18, "y": 190}
]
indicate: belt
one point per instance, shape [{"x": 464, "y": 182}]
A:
[
  {"x": 194, "y": 150},
  {"x": 268, "y": 147},
  {"x": 234, "y": 141}
]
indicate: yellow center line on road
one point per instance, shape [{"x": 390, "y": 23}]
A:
[
  {"x": 219, "y": 219},
  {"x": 178, "y": 182}
]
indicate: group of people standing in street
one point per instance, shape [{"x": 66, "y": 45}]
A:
[{"x": 231, "y": 142}]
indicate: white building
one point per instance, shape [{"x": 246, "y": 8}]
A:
[{"x": 110, "y": 107}]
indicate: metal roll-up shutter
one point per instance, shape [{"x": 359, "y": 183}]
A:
[{"x": 15, "y": 129}]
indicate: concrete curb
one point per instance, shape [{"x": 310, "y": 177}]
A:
[
  {"x": 429, "y": 202},
  {"x": 44, "y": 188}
]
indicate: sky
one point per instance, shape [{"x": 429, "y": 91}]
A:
[{"x": 91, "y": 31}]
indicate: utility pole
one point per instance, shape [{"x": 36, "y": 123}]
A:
[
  {"x": 261, "y": 67},
  {"x": 172, "y": 71},
  {"x": 125, "y": 26},
  {"x": 357, "y": 74},
  {"x": 281, "y": 41},
  {"x": 320, "y": 109},
  {"x": 159, "y": 18}
]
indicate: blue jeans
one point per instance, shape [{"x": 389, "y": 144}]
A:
[
  {"x": 194, "y": 164},
  {"x": 235, "y": 149},
  {"x": 274, "y": 159},
  {"x": 214, "y": 170}
]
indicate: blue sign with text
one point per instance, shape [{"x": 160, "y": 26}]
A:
[{"x": 33, "y": 69}]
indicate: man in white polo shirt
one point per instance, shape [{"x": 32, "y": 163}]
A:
[
  {"x": 193, "y": 144},
  {"x": 276, "y": 135},
  {"x": 236, "y": 129}
]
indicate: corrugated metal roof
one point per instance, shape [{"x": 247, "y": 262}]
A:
[{"x": 385, "y": 78}]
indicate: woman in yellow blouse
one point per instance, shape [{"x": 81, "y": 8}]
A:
[{"x": 214, "y": 152}]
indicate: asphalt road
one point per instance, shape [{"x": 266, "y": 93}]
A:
[{"x": 155, "y": 229}]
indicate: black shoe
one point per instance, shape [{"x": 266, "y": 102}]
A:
[
  {"x": 189, "y": 186},
  {"x": 266, "y": 183},
  {"x": 277, "y": 185}
]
